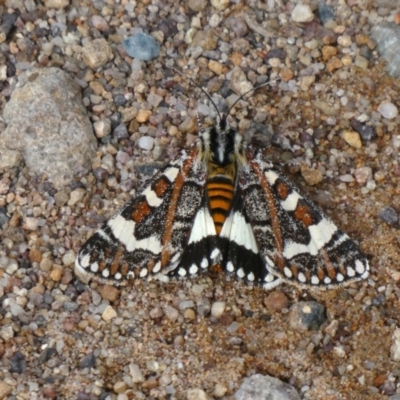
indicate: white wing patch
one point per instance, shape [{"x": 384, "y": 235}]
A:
[
  {"x": 203, "y": 226},
  {"x": 124, "y": 230},
  {"x": 239, "y": 231}
]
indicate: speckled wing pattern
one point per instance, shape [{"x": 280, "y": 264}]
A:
[
  {"x": 147, "y": 237},
  {"x": 270, "y": 233},
  {"x": 296, "y": 241}
]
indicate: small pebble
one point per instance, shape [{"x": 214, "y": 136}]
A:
[
  {"x": 325, "y": 12},
  {"x": 395, "y": 347},
  {"x": 120, "y": 387},
  {"x": 220, "y": 4},
  {"x": 171, "y": 313},
  {"x": 388, "y": 110},
  {"x": 96, "y": 53},
  {"x": 146, "y": 142},
  {"x": 363, "y": 175},
  {"x": 109, "y": 313},
  {"x": 389, "y": 215},
  {"x": 76, "y": 196},
  {"x": 366, "y": 132},
  {"x": 189, "y": 314},
  {"x": 302, "y": 13},
  {"x": 311, "y": 175},
  {"x": 143, "y": 116},
  {"x": 136, "y": 373},
  {"x": 218, "y": 308},
  {"x": 17, "y": 363},
  {"x": 183, "y": 305},
  {"x": 219, "y": 390},
  {"x": 203, "y": 307},
  {"x": 31, "y": 224},
  {"x": 156, "y": 312},
  {"x": 276, "y": 301},
  {"x": 89, "y": 361},
  {"x": 120, "y": 132},
  {"x": 352, "y": 138},
  {"x": 5, "y": 390},
  {"x": 307, "y": 315},
  {"x": 196, "y": 394},
  {"x": 141, "y": 46},
  {"x": 109, "y": 292},
  {"x": 102, "y": 128},
  {"x": 265, "y": 387}
]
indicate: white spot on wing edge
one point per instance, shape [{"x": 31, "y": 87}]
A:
[
  {"x": 215, "y": 255},
  {"x": 359, "y": 267},
  {"x": 182, "y": 271},
  {"x": 157, "y": 267},
  {"x": 287, "y": 272},
  {"x": 84, "y": 260},
  {"x": 193, "y": 269},
  {"x": 314, "y": 280},
  {"x": 124, "y": 230},
  {"x": 94, "y": 267},
  {"x": 240, "y": 273},
  {"x": 350, "y": 272},
  {"x": 272, "y": 284},
  {"x": 301, "y": 277},
  {"x": 79, "y": 269},
  {"x": 251, "y": 277},
  {"x": 230, "y": 267}
]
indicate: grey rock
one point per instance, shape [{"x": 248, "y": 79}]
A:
[
  {"x": 260, "y": 387},
  {"x": 48, "y": 126},
  {"x": 97, "y": 53},
  {"x": 389, "y": 215},
  {"x": 141, "y": 46},
  {"x": 239, "y": 83},
  {"x": 307, "y": 315},
  {"x": 387, "y": 38}
]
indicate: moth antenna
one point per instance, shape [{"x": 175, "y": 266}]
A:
[
  {"x": 199, "y": 122},
  {"x": 251, "y": 90},
  {"x": 204, "y": 91}
]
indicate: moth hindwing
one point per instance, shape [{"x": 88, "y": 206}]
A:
[{"x": 221, "y": 204}]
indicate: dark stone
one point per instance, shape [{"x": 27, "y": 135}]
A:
[
  {"x": 325, "y": 12},
  {"x": 17, "y": 363},
  {"x": 8, "y": 22},
  {"x": 168, "y": 27},
  {"x": 119, "y": 100},
  {"x": 89, "y": 361},
  {"x": 276, "y": 53},
  {"x": 307, "y": 315},
  {"x": 366, "y": 132},
  {"x": 389, "y": 215},
  {"x": 3, "y": 216},
  {"x": 46, "y": 354},
  {"x": 41, "y": 321},
  {"x": 100, "y": 174},
  {"x": 79, "y": 287},
  {"x": 120, "y": 132}
]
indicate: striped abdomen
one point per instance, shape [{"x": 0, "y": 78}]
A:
[{"x": 220, "y": 196}]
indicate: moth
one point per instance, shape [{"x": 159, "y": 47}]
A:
[{"x": 221, "y": 203}]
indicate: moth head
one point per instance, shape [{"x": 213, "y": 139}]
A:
[{"x": 221, "y": 144}]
